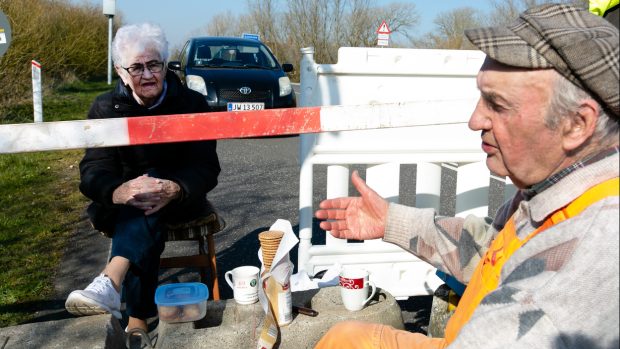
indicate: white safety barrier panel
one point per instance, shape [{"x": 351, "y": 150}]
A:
[{"x": 380, "y": 75}]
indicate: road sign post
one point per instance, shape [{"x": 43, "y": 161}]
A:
[
  {"x": 383, "y": 34},
  {"x": 37, "y": 92},
  {"x": 109, "y": 9}
]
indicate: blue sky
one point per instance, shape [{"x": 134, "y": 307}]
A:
[{"x": 182, "y": 17}]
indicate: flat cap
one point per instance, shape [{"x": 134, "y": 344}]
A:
[{"x": 579, "y": 45}]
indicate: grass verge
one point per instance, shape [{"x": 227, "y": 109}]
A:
[{"x": 40, "y": 207}]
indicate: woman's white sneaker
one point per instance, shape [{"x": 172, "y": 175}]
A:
[{"x": 100, "y": 297}]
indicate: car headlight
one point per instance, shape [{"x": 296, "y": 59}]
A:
[
  {"x": 285, "y": 86},
  {"x": 197, "y": 83}
]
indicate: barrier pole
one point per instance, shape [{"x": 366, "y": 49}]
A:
[
  {"x": 94, "y": 133},
  {"x": 37, "y": 98},
  {"x": 110, "y": 27}
]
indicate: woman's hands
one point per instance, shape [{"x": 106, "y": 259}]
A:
[
  {"x": 149, "y": 194},
  {"x": 358, "y": 218}
]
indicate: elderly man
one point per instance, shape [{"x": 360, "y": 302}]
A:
[{"x": 544, "y": 273}]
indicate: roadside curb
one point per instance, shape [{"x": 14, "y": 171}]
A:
[{"x": 93, "y": 332}]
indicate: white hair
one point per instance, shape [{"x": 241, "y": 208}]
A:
[
  {"x": 566, "y": 99},
  {"x": 138, "y": 38}
]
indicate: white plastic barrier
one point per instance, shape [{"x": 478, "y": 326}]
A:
[{"x": 380, "y": 75}]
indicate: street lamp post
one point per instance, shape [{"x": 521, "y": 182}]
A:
[{"x": 108, "y": 10}]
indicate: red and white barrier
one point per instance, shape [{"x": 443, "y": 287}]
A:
[{"x": 15, "y": 138}]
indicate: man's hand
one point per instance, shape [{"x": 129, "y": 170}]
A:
[
  {"x": 146, "y": 193},
  {"x": 358, "y": 218}
]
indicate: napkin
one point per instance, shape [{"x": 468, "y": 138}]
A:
[
  {"x": 281, "y": 264},
  {"x": 301, "y": 281}
]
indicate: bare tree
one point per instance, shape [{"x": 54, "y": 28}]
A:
[
  {"x": 401, "y": 17},
  {"x": 364, "y": 17},
  {"x": 267, "y": 20},
  {"x": 262, "y": 17},
  {"x": 359, "y": 24},
  {"x": 505, "y": 11},
  {"x": 224, "y": 24},
  {"x": 309, "y": 26},
  {"x": 450, "y": 27},
  {"x": 326, "y": 25}
]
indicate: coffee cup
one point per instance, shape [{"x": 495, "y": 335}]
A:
[
  {"x": 244, "y": 283},
  {"x": 354, "y": 288}
]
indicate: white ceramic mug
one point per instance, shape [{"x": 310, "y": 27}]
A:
[
  {"x": 354, "y": 287},
  {"x": 244, "y": 282}
]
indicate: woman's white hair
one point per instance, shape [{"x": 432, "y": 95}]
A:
[
  {"x": 566, "y": 100},
  {"x": 137, "y": 38}
]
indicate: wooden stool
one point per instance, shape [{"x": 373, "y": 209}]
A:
[{"x": 200, "y": 230}]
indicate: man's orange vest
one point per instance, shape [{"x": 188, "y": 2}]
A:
[{"x": 487, "y": 274}]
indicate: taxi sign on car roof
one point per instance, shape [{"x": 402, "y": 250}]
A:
[{"x": 251, "y": 36}]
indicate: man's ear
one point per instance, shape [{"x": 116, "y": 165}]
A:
[{"x": 579, "y": 127}]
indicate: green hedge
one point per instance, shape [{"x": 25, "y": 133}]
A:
[{"x": 70, "y": 41}]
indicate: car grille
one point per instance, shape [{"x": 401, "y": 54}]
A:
[{"x": 236, "y": 96}]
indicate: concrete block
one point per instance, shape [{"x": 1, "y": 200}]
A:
[
  {"x": 229, "y": 325},
  {"x": 93, "y": 332}
]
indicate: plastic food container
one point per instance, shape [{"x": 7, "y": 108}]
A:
[{"x": 182, "y": 302}]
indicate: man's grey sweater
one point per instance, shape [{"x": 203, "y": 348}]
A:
[{"x": 560, "y": 290}]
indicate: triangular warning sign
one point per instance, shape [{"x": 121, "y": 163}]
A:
[{"x": 383, "y": 28}]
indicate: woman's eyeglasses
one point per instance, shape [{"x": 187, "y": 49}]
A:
[{"x": 138, "y": 69}]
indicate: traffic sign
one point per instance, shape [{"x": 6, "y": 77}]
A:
[
  {"x": 383, "y": 34},
  {"x": 5, "y": 34},
  {"x": 383, "y": 28},
  {"x": 109, "y": 7}
]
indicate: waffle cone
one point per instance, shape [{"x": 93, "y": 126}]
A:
[{"x": 269, "y": 241}]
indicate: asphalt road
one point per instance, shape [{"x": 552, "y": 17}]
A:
[{"x": 259, "y": 184}]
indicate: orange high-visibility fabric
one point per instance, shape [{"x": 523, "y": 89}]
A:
[
  {"x": 487, "y": 274},
  {"x": 366, "y": 335}
]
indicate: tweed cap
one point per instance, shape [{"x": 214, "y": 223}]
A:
[{"x": 579, "y": 45}]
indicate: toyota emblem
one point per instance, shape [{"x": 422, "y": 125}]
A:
[{"x": 245, "y": 90}]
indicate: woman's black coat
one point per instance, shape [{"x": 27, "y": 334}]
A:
[{"x": 193, "y": 165}]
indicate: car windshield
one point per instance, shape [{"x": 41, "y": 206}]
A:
[{"x": 226, "y": 55}]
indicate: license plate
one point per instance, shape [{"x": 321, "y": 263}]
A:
[{"x": 232, "y": 106}]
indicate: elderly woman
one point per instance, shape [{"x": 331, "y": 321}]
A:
[{"x": 136, "y": 190}]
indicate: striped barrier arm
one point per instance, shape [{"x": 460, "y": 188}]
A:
[{"x": 16, "y": 138}]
